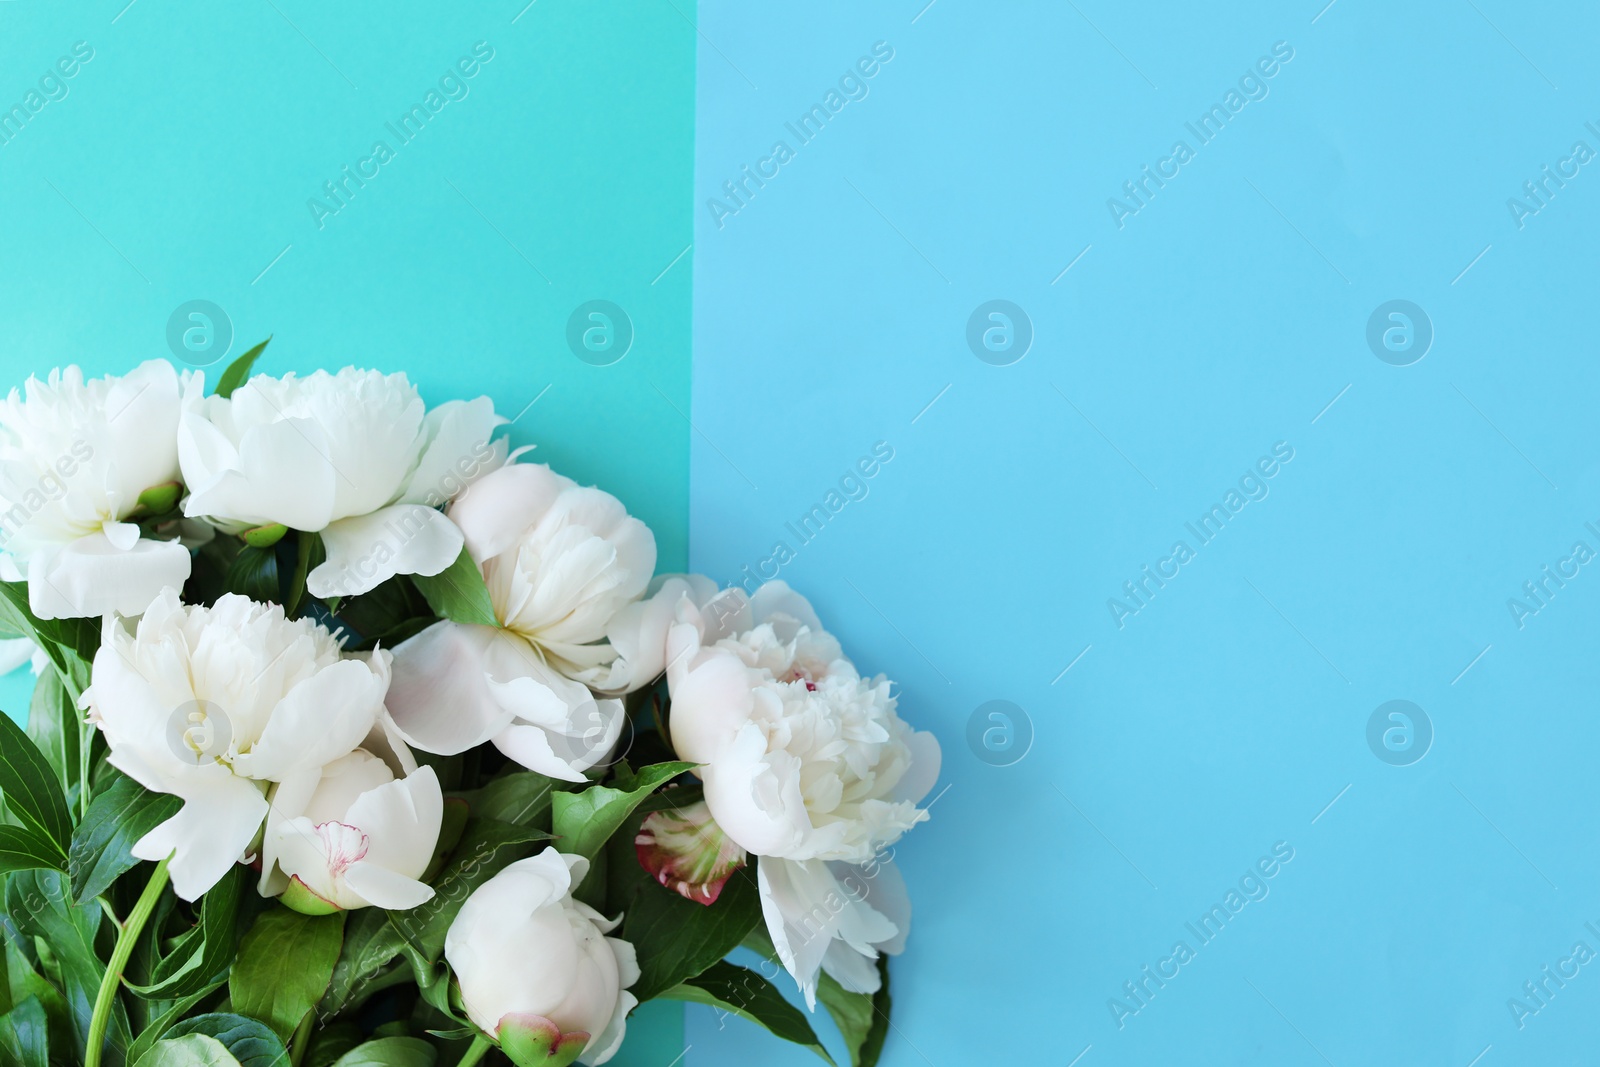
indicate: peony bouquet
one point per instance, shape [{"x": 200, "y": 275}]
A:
[{"x": 360, "y": 739}]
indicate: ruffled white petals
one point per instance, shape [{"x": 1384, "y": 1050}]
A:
[
  {"x": 522, "y": 946},
  {"x": 216, "y": 704},
  {"x": 310, "y": 452},
  {"x": 807, "y": 909},
  {"x": 365, "y": 551},
  {"x": 91, "y": 576},
  {"x": 75, "y": 456}
]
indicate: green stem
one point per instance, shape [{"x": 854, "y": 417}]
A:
[
  {"x": 302, "y": 1039},
  {"x": 480, "y": 1047},
  {"x": 119, "y": 959}
]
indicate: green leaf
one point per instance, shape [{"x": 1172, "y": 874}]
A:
[
  {"x": 249, "y": 1041},
  {"x": 370, "y": 946},
  {"x": 285, "y": 964},
  {"x": 585, "y": 820},
  {"x": 457, "y": 593},
  {"x": 238, "y": 371},
  {"x": 332, "y": 1041},
  {"x": 117, "y": 817},
  {"x": 748, "y": 995},
  {"x": 254, "y": 573},
  {"x": 29, "y": 785},
  {"x": 37, "y": 903},
  {"x": 390, "y": 1052},
  {"x": 25, "y": 1035},
  {"x": 69, "y": 643},
  {"x": 862, "y": 1018},
  {"x": 158, "y": 1029},
  {"x": 24, "y": 850},
  {"x": 191, "y": 1050},
  {"x": 522, "y": 797},
  {"x": 53, "y": 726},
  {"x": 677, "y": 939},
  {"x": 198, "y": 958}
]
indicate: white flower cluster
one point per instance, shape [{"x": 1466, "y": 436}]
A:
[{"x": 293, "y": 753}]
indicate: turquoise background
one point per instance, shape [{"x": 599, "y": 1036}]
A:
[
  {"x": 1224, "y": 316},
  {"x": 179, "y": 164},
  {"x": 1145, "y": 768}
]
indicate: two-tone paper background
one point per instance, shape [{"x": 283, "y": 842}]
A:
[{"x": 1196, "y": 458}]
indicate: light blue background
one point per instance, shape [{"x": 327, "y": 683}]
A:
[{"x": 1223, "y": 318}]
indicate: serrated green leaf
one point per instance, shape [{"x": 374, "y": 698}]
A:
[
  {"x": 745, "y": 993},
  {"x": 390, "y": 1052},
  {"x": 457, "y": 593},
  {"x": 585, "y": 820},
  {"x": 118, "y": 817},
  {"x": 284, "y": 966},
  {"x": 24, "y": 850},
  {"x": 249, "y": 1041},
  {"x": 29, "y": 785},
  {"x": 198, "y": 958},
  {"x": 238, "y": 371}
]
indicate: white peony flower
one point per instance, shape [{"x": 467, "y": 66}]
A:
[
  {"x": 561, "y": 562},
  {"x": 350, "y": 455},
  {"x": 213, "y": 705},
  {"x": 807, "y": 765},
  {"x": 359, "y": 831},
  {"x": 531, "y": 960},
  {"x": 76, "y": 457}
]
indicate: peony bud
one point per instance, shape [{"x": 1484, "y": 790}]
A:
[{"x": 535, "y": 967}]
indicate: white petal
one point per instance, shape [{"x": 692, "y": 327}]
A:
[
  {"x": 383, "y": 888},
  {"x": 401, "y": 820},
  {"x": 497, "y": 509},
  {"x": 367, "y": 550},
  {"x": 317, "y": 721},
  {"x": 458, "y": 451},
  {"x": 92, "y": 577},
  {"x": 755, "y": 795},
  {"x": 805, "y": 909},
  {"x": 281, "y": 472},
  {"x": 210, "y": 833},
  {"x": 926, "y": 757},
  {"x": 439, "y": 696}
]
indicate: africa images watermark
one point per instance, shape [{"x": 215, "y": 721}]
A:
[
  {"x": 1538, "y": 592},
  {"x": 852, "y": 487},
  {"x": 852, "y": 86},
  {"x": 51, "y": 88},
  {"x": 1538, "y": 192},
  {"x": 1252, "y": 87},
  {"x": 1252, "y": 887},
  {"x": 452, "y": 86},
  {"x": 29, "y": 500},
  {"x": 1140, "y": 591}
]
